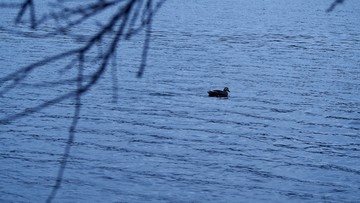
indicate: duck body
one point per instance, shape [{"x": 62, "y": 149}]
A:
[{"x": 219, "y": 93}]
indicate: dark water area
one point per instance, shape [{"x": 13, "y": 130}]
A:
[{"x": 289, "y": 131}]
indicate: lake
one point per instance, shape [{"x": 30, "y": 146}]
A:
[{"x": 288, "y": 132}]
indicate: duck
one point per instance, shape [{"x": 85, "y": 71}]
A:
[{"x": 219, "y": 93}]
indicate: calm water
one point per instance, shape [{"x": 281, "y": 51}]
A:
[{"x": 289, "y": 132}]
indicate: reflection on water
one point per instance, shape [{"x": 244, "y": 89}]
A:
[{"x": 288, "y": 132}]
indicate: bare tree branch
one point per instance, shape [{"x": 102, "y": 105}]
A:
[
  {"x": 334, "y": 4},
  {"x": 147, "y": 40},
  {"x": 72, "y": 129},
  {"x": 124, "y": 23},
  {"x": 16, "y": 77},
  {"x": 27, "y": 5},
  {"x": 114, "y": 79}
]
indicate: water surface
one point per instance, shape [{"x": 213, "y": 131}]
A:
[{"x": 289, "y": 132}]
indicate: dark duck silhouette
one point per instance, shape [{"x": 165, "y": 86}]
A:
[{"x": 219, "y": 93}]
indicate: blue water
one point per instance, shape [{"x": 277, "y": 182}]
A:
[{"x": 289, "y": 132}]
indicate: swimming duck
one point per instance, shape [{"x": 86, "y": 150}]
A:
[{"x": 219, "y": 93}]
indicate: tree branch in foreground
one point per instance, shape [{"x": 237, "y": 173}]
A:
[
  {"x": 334, "y": 4},
  {"x": 130, "y": 17}
]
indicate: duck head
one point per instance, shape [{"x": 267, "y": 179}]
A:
[{"x": 226, "y": 89}]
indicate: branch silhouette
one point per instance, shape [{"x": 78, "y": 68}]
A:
[
  {"x": 334, "y": 4},
  {"x": 130, "y": 18},
  {"x": 27, "y": 5}
]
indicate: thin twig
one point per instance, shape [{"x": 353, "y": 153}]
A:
[
  {"x": 114, "y": 78},
  {"x": 334, "y": 4},
  {"x": 72, "y": 129},
  {"x": 19, "y": 75},
  {"x": 147, "y": 40}
]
